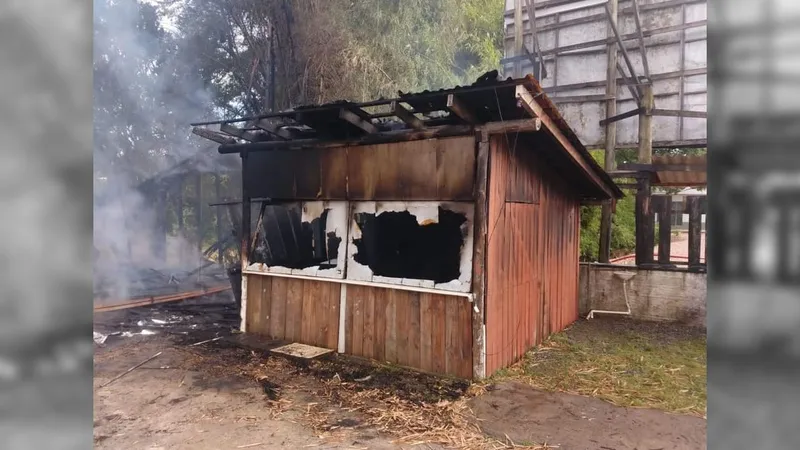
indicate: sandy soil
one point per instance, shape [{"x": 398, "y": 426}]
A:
[
  {"x": 207, "y": 397},
  {"x": 573, "y": 422},
  {"x": 182, "y": 406}
]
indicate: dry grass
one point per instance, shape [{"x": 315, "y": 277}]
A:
[{"x": 624, "y": 362}]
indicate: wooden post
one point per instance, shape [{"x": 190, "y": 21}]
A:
[
  {"x": 218, "y": 212},
  {"x": 785, "y": 234},
  {"x": 693, "y": 208},
  {"x": 644, "y": 229},
  {"x": 479, "y": 257},
  {"x": 198, "y": 210},
  {"x": 663, "y": 205},
  {"x": 609, "y": 165},
  {"x": 245, "y": 242},
  {"x": 518, "y": 37},
  {"x": 745, "y": 210},
  {"x": 646, "y": 126}
]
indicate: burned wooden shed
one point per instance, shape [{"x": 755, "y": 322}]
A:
[{"x": 437, "y": 230}]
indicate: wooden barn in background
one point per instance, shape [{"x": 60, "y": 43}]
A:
[{"x": 437, "y": 230}]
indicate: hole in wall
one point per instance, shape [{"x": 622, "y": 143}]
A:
[
  {"x": 285, "y": 240},
  {"x": 394, "y": 244}
]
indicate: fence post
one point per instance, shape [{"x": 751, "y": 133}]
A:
[
  {"x": 644, "y": 222},
  {"x": 662, "y": 204},
  {"x": 694, "y": 209}
]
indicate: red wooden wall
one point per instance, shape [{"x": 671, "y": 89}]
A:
[{"x": 532, "y": 256}]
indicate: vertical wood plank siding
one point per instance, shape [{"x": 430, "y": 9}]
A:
[
  {"x": 533, "y": 248},
  {"x": 425, "y": 331},
  {"x": 303, "y": 311}
]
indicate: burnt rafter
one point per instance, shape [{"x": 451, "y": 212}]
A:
[
  {"x": 456, "y": 106},
  {"x": 359, "y": 118},
  {"x": 238, "y": 132},
  {"x": 406, "y": 116}
]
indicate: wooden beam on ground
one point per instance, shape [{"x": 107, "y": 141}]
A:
[
  {"x": 618, "y": 117},
  {"x": 351, "y": 116},
  {"x": 535, "y": 110},
  {"x": 406, "y": 116},
  {"x": 680, "y": 113},
  {"x": 273, "y": 129},
  {"x": 456, "y": 106},
  {"x": 643, "y": 48},
  {"x": 212, "y": 135},
  {"x": 238, "y": 132},
  {"x": 114, "y": 305}
]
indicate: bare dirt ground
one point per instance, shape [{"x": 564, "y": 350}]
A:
[
  {"x": 219, "y": 395},
  {"x": 528, "y": 415}
]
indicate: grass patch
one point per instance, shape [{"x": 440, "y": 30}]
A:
[{"x": 624, "y": 362}]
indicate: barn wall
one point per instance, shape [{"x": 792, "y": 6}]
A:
[
  {"x": 426, "y": 331},
  {"x": 429, "y": 332},
  {"x": 433, "y": 169},
  {"x": 532, "y": 256},
  {"x": 293, "y": 309}
]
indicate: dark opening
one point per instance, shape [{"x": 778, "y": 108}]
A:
[
  {"x": 394, "y": 245},
  {"x": 285, "y": 240}
]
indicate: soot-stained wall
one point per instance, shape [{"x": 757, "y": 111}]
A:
[
  {"x": 425, "y": 244},
  {"x": 305, "y": 238}
]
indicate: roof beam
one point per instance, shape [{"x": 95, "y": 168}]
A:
[
  {"x": 618, "y": 117},
  {"x": 679, "y": 113},
  {"x": 513, "y": 126},
  {"x": 213, "y": 136},
  {"x": 534, "y": 109},
  {"x": 456, "y": 106},
  {"x": 273, "y": 129},
  {"x": 352, "y": 117},
  {"x": 638, "y": 20},
  {"x": 406, "y": 116},
  {"x": 238, "y": 132}
]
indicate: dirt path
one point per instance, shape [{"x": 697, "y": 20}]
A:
[
  {"x": 573, "y": 422},
  {"x": 168, "y": 405}
]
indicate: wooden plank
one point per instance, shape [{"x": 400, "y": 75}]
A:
[
  {"x": 368, "y": 335},
  {"x": 438, "y": 334},
  {"x": 333, "y": 292},
  {"x": 406, "y": 116},
  {"x": 265, "y": 308},
  {"x": 237, "y": 132},
  {"x": 465, "y": 340},
  {"x": 380, "y": 323},
  {"x": 618, "y": 117},
  {"x": 512, "y": 126},
  {"x": 356, "y": 119},
  {"x": 277, "y": 319},
  {"x": 452, "y": 337},
  {"x": 349, "y": 321},
  {"x": 695, "y": 228},
  {"x": 460, "y": 110},
  {"x": 294, "y": 309},
  {"x": 455, "y": 168},
  {"x": 680, "y": 113},
  {"x": 416, "y": 176},
  {"x": 413, "y": 331},
  {"x": 479, "y": 258},
  {"x": 662, "y": 204},
  {"x": 644, "y": 232},
  {"x": 319, "y": 305},
  {"x": 637, "y": 18},
  {"x": 426, "y": 322},
  {"x": 213, "y": 136},
  {"x": 333, "y": 174},
  {"x": 254, "y": 301},
  {"x": 273, "y": 129},
  {"x": 646, "y": 127},
  {"x": 390, "y": 349},
  {"x": 356, "y": 296},
  {"x": 403, "y": 319}
]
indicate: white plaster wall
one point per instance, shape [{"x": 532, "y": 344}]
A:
[{"x": 657, "y": 295}]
